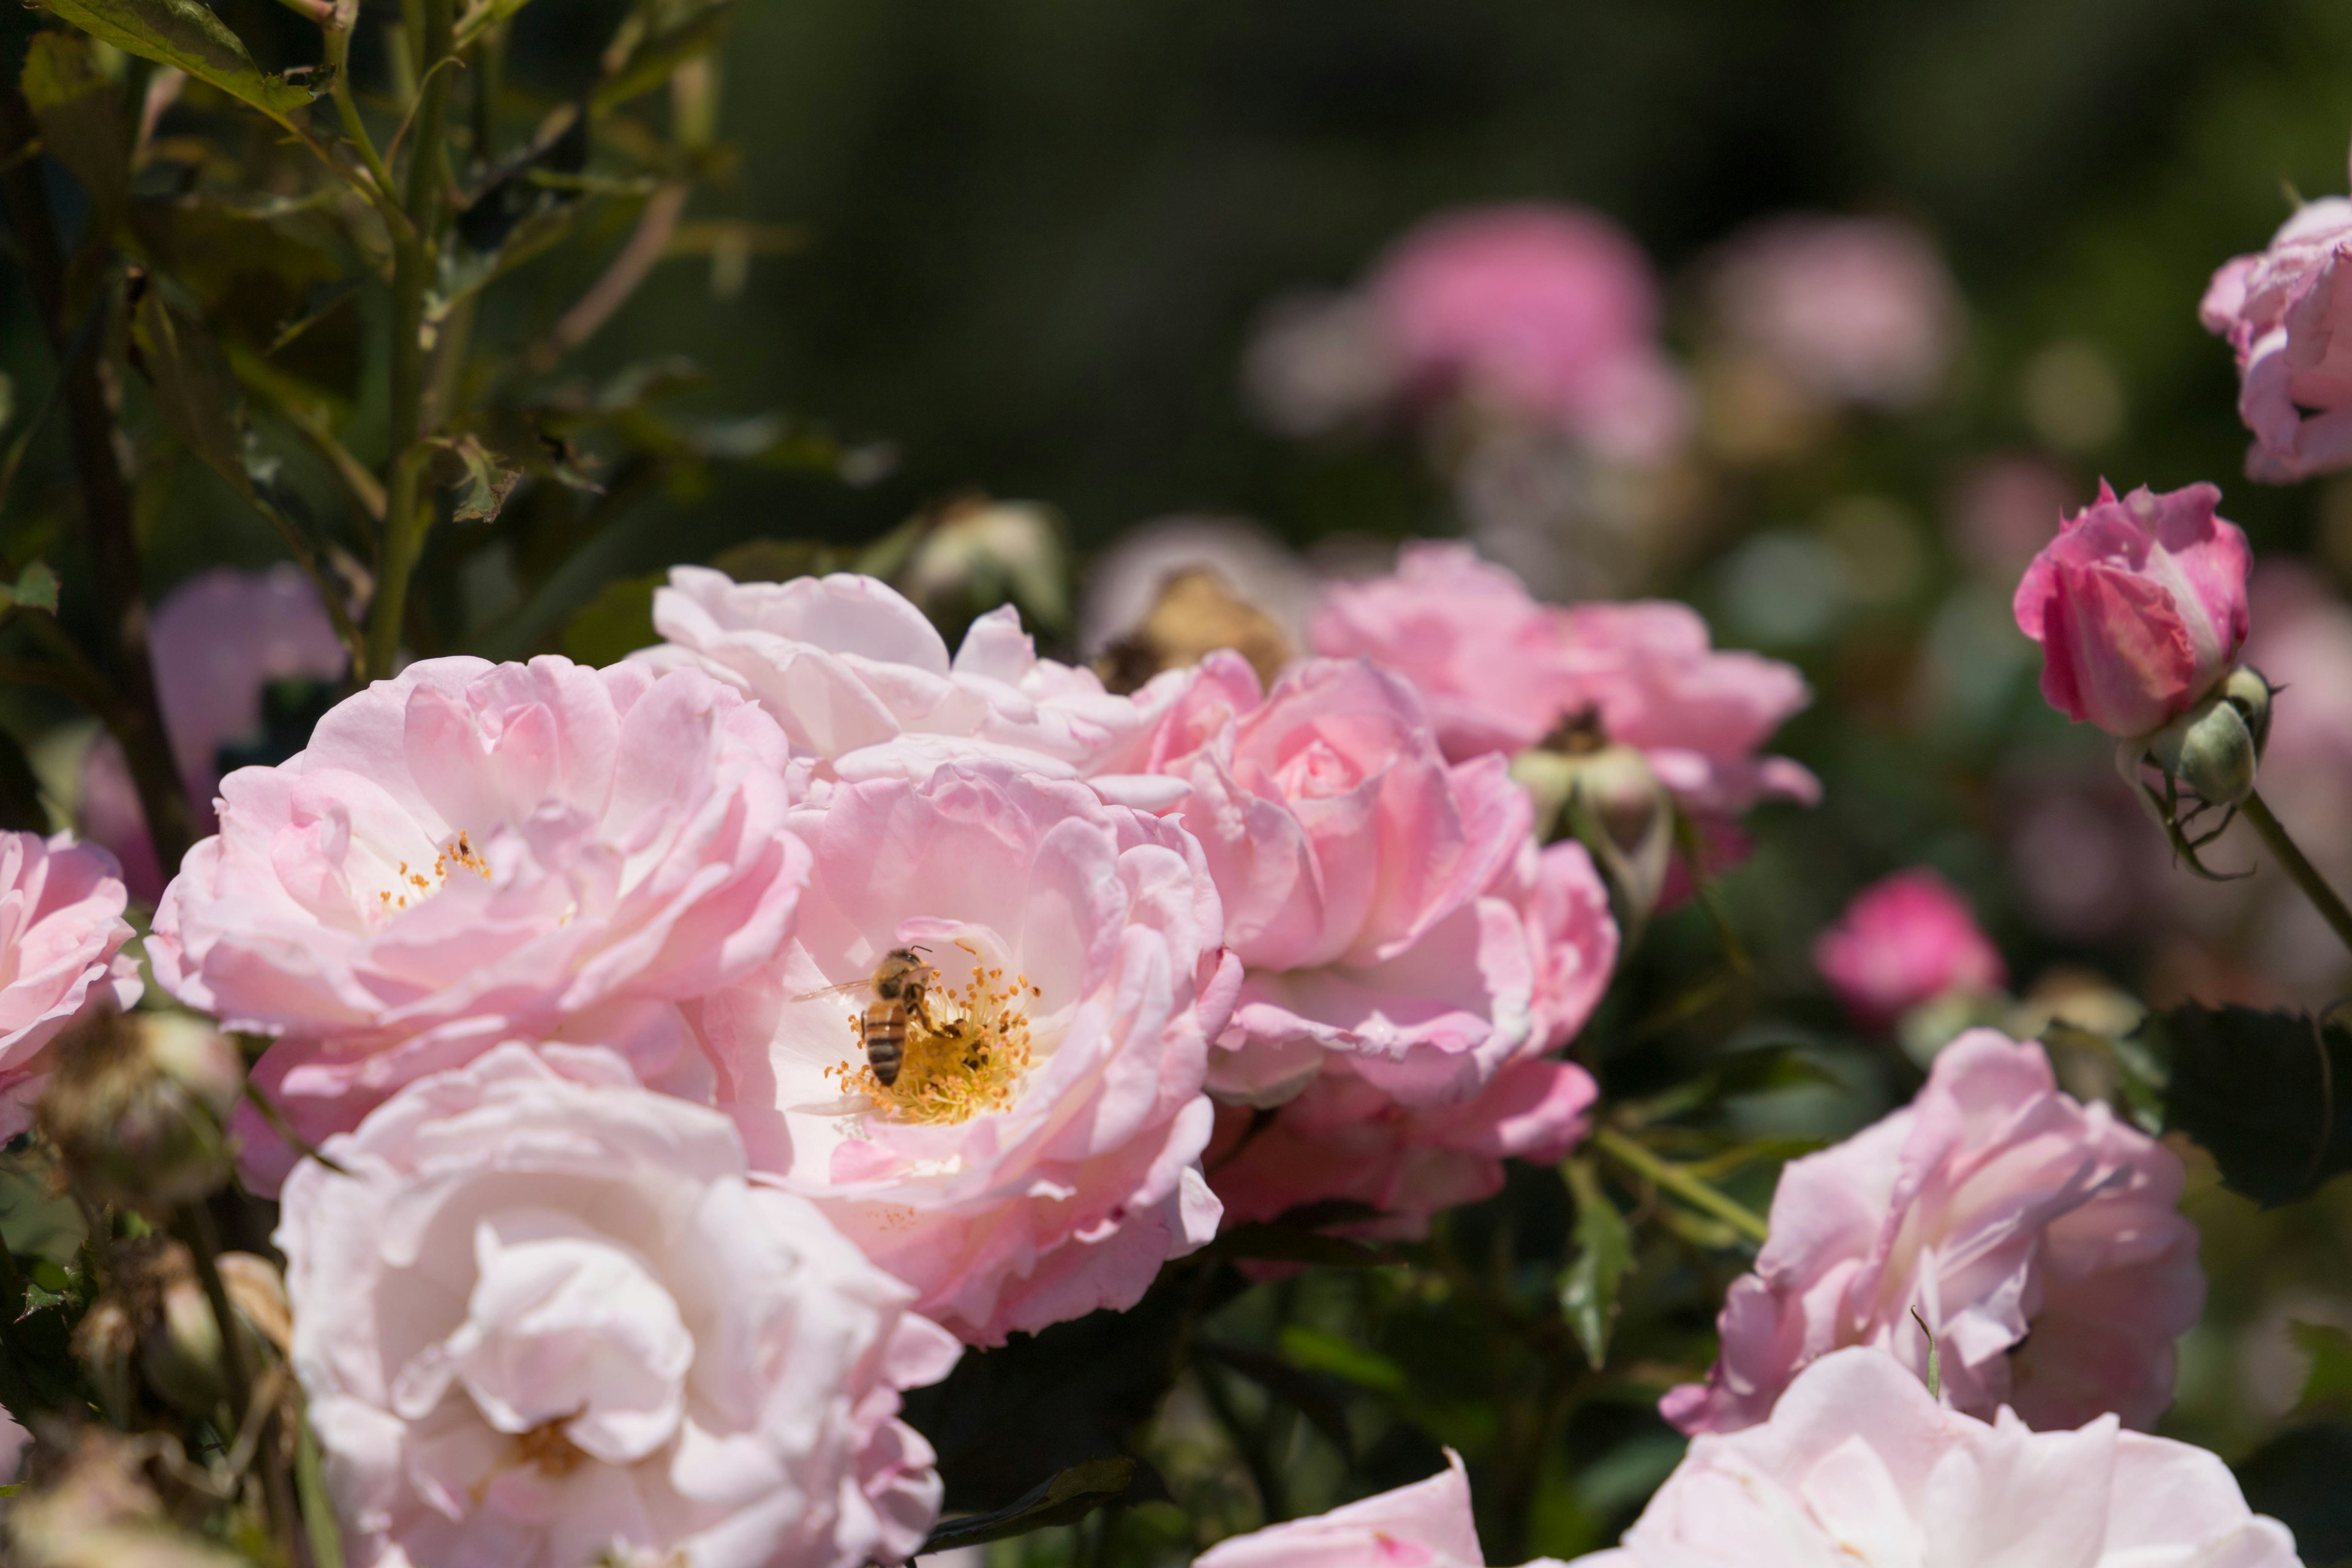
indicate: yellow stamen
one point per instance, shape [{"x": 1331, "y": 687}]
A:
[{"x": 966, "y": 1053}]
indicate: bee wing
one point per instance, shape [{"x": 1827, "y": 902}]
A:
[{"x": 842, "y": 989}]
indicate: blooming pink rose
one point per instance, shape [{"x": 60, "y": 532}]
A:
[
  {"x": 1905, "y": 939},
  {"x": 2280, "y": 314},
  {"x": 1858, "y": 1466},
  {"x": 61, "y": 936},
  {"x": 1500, "y": 671},
  {"x": 1853, "y": 310},
  {"x": 472, "y": 852},
  {"x": 545, "y": 1317},
  {"x": 216, "y": 641},
  {"x": 1356, "y": 865},
  {"x": 1548, "y": 313},
  {"x": 1042, "y": 1159},
  {"x": 1424, "y": 1525},
  {"x": 1343, "y": 1139},
  {"x": 1995, "y": 1207},
  {"x": 2139, "y": 606},
  {"x": 863, "y": 685}
]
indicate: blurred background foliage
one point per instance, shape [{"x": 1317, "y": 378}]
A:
[{"x": 1020, "y": 246}]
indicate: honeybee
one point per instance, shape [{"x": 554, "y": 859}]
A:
[{"x": 897, "y": 983}]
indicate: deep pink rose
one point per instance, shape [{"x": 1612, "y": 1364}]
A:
[
  {"x": 2139, "y": 606},
  {"x": 216, "y": 641},
  {"x": 864, "y": 688},
  {"x": 1853, "y": 310},
  {"x": 61, "y": 936},
  {"x": 546, "y": 1318},
  {"x": 472, "y": 852},
  {"x": 1548, "y": 312},
  {"x": 1426, "y": 1525},
  {"x": 1997, "y": 1208},
  {"x": 1355, "y": 864},
  {"x": 1051, "y": 1166},
  {"x": 2283, "y": 317},
  {"x": 1344, "y": 1139},
  {"x": 1858, "y": 1466},
  {"x": 1500, "y": 671},
  {"x": 1905, "y": 939}
]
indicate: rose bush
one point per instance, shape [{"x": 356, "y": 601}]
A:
[
  {"x": 1858, "y": 1464},
  {"x": 1045, "y": 1160},
  {"x": 2139, "y": 606},
  {"x": 1995, "y": 1207},
  {"x": 543, "y": 1319},
  {"x": 472, "y": 852},
  {"x": 61, "y": 936}
]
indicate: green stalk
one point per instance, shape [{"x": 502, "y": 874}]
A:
[
  {"x": 2298, "y": 866},
  {"x": 1680, "y": 1182},
  {"x": 407, "y": 514}
]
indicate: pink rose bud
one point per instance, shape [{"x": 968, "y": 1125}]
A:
[
  {"x": 1904, "y": 941},
  {"x": 2139, "y": 606}
]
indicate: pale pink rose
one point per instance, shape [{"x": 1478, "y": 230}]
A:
[
  {"x": 216, "y": 641},
  {"x": 1906, "y": 939},
  {"x": 471, "y": 852},
  {"x": 1858, "y": 1466},
  {"x": 61, "y": 936},
  {"x": 2279, "y": 311},
  {"x": 862, "y": 683},
  {"x": 1853, "y": 310},
  {"x": 1358, "y": 869},
  {"x": 1344, "y": 1140},
  {"x": 1547, "y": 312},
  {"x": 1500, "y": 671},
  {"x": 1426, "y": 1525},
  {"x": 2139, "y": 606},
  {"x": 1050, "y": 1166},
  {"x": 1995, "y": 1206},
  {"x": 547, "y": 1317}
]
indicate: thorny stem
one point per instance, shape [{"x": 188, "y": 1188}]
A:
[
  {"x": 2292, "y": 859},
  {"x": 138, "y": 720},
  {"x": 1680, "y": 1182},
  {"x": 407, "y": 514}
]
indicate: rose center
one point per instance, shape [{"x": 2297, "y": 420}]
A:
[
  {"x": 414, "y": 884},
  {"x": 967, "y": 1050}
]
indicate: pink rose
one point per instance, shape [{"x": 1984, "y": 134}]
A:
[
  {"x": 1995, "y": 1206},
  {"x": 61, "y": 936},
  {"x": 1905, "y": 939},
  {"x": 2278, "y": 310},
  {"x": 2139, "y": 606},
  {"x": 1548, "y": 313},
  {"x": 1853, "y": 310},
  {"x": 546, "y": 1318},
  {"x": 1424, "y": 1525},
  {"x": 1857, "y": 1465},
  {"x": 216, "y": 641},
  {"x": 1343, "y": 1139},
  {"x": 1038, "y": 1155},
  {"x": 471, "y": 852},
  {"x": 1355, "y": 864},
  {"x": 1500, "y": 671},
  {"x": 863, "y": 685}
]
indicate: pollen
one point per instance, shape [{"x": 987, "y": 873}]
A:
[
  {"x": 967, "y": 1053},
  {"x": 458, "y": 855}
]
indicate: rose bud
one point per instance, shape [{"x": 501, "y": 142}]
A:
[
  {"x": 979, "y": 553},
  {"x": 95, "y": 1506},
  {"x": 2139, "y": 606},
  {"x": 138, "y": 1106},
  {"x": 1196, "y": 612},
  {"x": 1606, "y": 796}
]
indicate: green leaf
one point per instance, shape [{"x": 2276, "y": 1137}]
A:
[
  {"x": 318, "y": 1508},
  {"x": 195, "y": 391},
  {"x": 1067, "y": 1498},
  {"x": 479, "y": 17},
  {"x": 615, "y": 623},
  {"x": 81, "y": 121},
  {"x": 1604, "y": 1255},
  {"x": 186, "y": 33},
  {"x": 2268, "y": 1095},
  {"x": 485, "y": 482},
  {"x": 35, "y": 588},
  {"x": 651, "y": 63},
  {"x": 2327, "y": 1386},
  {"x": 1315, "y": 1350}
]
